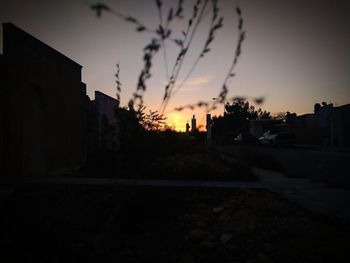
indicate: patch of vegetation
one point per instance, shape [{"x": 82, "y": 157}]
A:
[{"x": 200, "y": 166}]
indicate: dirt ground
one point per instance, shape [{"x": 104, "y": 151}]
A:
[{"x": 99, "y": 224}]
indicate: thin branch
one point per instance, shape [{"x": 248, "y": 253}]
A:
[
  {"x": 213, "y": 27},
  {"x": 181, "y": 55},
  {"x": 119, "y": 84},
  {"x": 178, "y": 69},
  {"x": 212, "y": 105},
  {"x": 160, "y": 16}
]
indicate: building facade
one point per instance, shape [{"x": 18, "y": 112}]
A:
[
  {"x": 104, "y": 123},
  {"x": 340, "y": 126},
  {"x": 193, "y": 123},
  {"x": 2, "y": 84},
  {"x": 327, "y": 126},
  {"x": 43, "y": 108}
]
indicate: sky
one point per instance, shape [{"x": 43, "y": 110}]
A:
[{"x": 296, "y": 53}]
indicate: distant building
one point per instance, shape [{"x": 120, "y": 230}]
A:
[
  {"x": 43, "y": 108},
  {"x": 340, "y": 126},
  {"x": 193, "y": 124},
  {"x": 187, "y": 129},
  {"x": 305, "y": 128},
  {"x": 103, "y": 123},
  {"x": 328, "y": 125},
  {"x": 2, "y": 84}
]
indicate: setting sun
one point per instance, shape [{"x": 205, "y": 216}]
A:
[{"x": 177, "y": 121}]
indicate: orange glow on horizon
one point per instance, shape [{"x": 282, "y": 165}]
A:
[{"x": 177, "y": 120}]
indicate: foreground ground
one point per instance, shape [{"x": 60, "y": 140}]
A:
[{"x": 99, "y": 224}]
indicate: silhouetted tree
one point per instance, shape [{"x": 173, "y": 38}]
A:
[
  {"x": 290, "y": 117},
  {"x": 236, "y": 119},
  {"x": 244, "y": 110},
  {"x": 151, "y": 120},
  {"x": 279, "y": 116},
  {"x": 130, "y": 130}
]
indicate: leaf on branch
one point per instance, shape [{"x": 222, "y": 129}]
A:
[
  {"x": 240, "y": 24},
  {"x": 140, "y": 28},
  {"x": 210, "y": 39},
  {"x": 99, "y": 7},
  {"x": 220, "y": 23},
  {"x": 242, "y": 36},
  {"x": 238, "y": 52},
  {"x": 131, "y": 19},
  {"x": 195, "y": 10},
  {"x": 179, "y": 42},
  {"x": 160, "y": 30},
  {"x": 159, "y": 3},
  {"x": 205, "y": 51},
  {"x": 117, "y": 81},
  {"x": 259, "y": 100},
  {"x": 202, "y": 104},
  {"x": 179, "y": 9},
  {"x": 181, "y": 54},
  {"x": 179, "y": 109},
  {"x": 167, "y": 34},
  {"x": 170, "y": 15},
  {"x": 154, "y": 46}
]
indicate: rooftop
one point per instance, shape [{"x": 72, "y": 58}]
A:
[{"x": 13, "y": 27}]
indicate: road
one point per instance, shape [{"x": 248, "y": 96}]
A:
[{"x": 326, "y": 166}]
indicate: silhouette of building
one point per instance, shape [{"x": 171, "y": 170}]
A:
[
  {"x": 193, "y": 124},
  {"x": 328, "y": 125},
  {"x": 43, "y": 108},
  {"x": 305, "y": 128},
  {"x": 103, "y": 124},
  {"x": 2, "y": 84},
  {"x": 187, "y": 129},
  {"x": 340, "y": 126}
]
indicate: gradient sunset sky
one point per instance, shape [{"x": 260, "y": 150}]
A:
[{"x": 296, "y": 52}]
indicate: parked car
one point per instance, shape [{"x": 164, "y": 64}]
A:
[
  {"x": 277, "y": 138},
  {"x": 245, "y": 139}
]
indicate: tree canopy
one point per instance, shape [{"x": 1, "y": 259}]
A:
[{"x": 236, "y": 119}]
